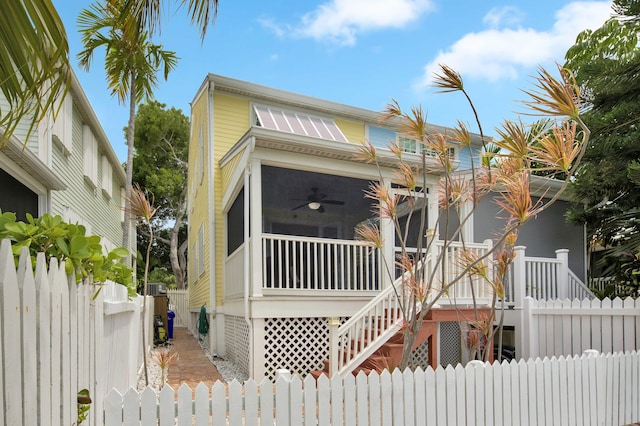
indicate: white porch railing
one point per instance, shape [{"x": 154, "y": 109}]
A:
[
  {"x": 367, "y": 330},
  {"x": 544, "y": 279},
  {"x": 234, "y": 274},
  {"x": 468, "y": 288},
  {"x": 304, "y": 264}
]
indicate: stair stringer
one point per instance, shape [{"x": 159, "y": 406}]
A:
[{"x": 370, "y": 349}]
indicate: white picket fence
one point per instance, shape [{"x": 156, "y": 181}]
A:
[
  {"x": 569, "y": 327},
  {"x": 57, "y": 337},
  {"x": 179, "y": 302},
  {"x": 585, "y": 390}
]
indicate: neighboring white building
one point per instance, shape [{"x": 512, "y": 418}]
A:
[{"x": 66, "y": 168}]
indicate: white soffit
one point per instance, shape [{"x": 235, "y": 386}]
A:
[{"x": 298, "y": 123}]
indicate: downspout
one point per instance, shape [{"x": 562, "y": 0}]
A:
[
  {"x": 247, "y": 251},
  {"x": 211, "y": 204}
]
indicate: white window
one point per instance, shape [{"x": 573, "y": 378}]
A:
[
  {"x": 412, "y": 146},
  {"x": 89, "y": 155},
  {"x": 201, "y": 250},
  {"x": 62, "y": 131},
  {"x": 107, "y": 176},
  {"x": 298, "y": 123}
]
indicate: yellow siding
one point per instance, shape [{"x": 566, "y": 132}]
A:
[
  {"x": 231, "y": 121},
  {"x": 352, "y": 130},
  {"x": 198, "y": 289},
  {"x": 228, "y": 169}
]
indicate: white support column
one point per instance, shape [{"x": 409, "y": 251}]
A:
[
  {"x": 388, "y": 251},
  {"x": 522, "y": 330},
  {"x": 334, "y": 323},
  {"x": 529, "y": 331},
  {"x": 466, "y": 217},
  {"x": 257, "y": 361},
  {"x": 563, "y": 274},
  {"x": 519, "y": 277},
  {"x": 255, "y": 216}
]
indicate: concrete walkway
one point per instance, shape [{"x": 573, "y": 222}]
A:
[{"x": 192, "y": 365}]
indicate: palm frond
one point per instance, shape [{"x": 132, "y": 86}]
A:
[
  {"x": 34, "y": 56},
  {"x": 555, "y": 97}
]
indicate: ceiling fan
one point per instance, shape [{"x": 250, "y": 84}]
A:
[{"x": 316, "y": 199}]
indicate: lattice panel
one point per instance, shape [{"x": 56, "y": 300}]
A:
[
  {"x": 450, "y": 350},
  {"x": 297, "y": 344},
  {"x": 420, "y": 356},
  {"x": 236, "y": 337}
]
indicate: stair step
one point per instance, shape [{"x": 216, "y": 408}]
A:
[{"x": 317, "y": 373}]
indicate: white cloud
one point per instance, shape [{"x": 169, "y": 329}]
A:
[
  {"x": 507, "y": 15},
  {"x": 269, "y": 24},
  {"x": 495, "y": 53},
  {"x": 340, "y": 21}
]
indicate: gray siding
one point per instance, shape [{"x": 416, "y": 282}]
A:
[
  {"x": 22, "y": 128},
  {"x": 542, "y": 235},
  {"x": 88, "y": 202}
]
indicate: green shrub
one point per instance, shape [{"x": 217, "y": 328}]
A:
[{"x": 69, "y": 243}]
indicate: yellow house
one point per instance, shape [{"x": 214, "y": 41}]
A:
[{"x": 275, "y": 193}]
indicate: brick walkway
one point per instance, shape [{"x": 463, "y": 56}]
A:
[{"x": 192, "y": 366}]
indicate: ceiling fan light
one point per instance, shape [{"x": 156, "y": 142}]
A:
[{"x": 314, "y": 205}]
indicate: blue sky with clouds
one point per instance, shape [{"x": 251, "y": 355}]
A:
[{"x": 360, "y": 52}]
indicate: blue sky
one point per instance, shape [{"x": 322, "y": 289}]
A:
[{"x": 360, "y": 52}]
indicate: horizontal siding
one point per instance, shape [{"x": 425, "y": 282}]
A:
[
  {"x": 198, "y": 207},
  {"x": 89, "y": 203},
  {"x": 381, "y": 137},
  {"x": 231, "y": 121},
  {"x": 464, "y": 157},
  {"x": 352, "y": 130},
  {"x": 22, "y": 129}
]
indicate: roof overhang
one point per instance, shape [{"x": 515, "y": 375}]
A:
[
  {"x": 32, "y": 165},
  {"x": 268, "y": 94},
  {"x": 289, "y": 142}
]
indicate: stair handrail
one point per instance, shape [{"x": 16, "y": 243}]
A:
[
  {"x": 578, "y": 289},
  {"x": 368, "y": 329}
]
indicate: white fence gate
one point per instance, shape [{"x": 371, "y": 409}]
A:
[
  {"x": 57, "y": 337},
  {"x": 585, "y": 390},
  {"x": 179, "y": 302},
  {"x": 569, "y": 327}
]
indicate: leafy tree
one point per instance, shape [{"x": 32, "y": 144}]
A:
[
  {"x": 161, "y": 158},
  {"x": 131, "y": 63},
  {"x": 34, "y": 54},
  {"x": 606, "y": 63},
  {"x": 83, "y": 254}
]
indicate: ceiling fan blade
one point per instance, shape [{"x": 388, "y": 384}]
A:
[
  {"x": 300, "y": 206},
  {"x": 335, "y": 202},
  {"x": 321, "y": 209}
]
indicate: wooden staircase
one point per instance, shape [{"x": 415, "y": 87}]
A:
[
  {"x": 372, "y": 337},
  {"x": 389, "y": 354}
]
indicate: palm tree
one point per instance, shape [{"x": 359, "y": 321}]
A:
[
  {"x": 131, "y": 63},
  {"x": 34, "y": 63},
  {"x": 34, "y": 53}
]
